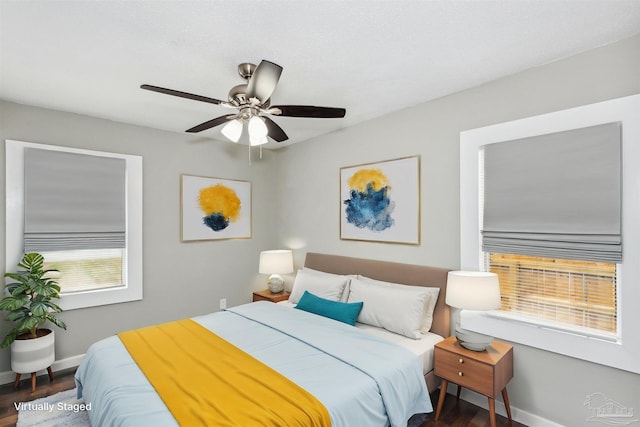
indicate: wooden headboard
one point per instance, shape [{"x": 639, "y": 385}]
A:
[{"x": 407, "y": 274}]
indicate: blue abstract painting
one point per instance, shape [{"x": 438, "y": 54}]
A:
[
  {"x": 369, "y": 204},
  {"x": 381, "y": 201}
]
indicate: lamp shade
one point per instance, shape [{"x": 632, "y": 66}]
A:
[
  {"x": 257, "y": 127},
  {"x": 473, "y": 290},
  {"x": 276, "y": 262},
  {"x": 257, "y": 140},
  {"x": 233, "y": 130}
]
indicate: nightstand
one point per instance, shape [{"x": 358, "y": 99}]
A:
[
  {"x": 486, "y": 372},
  {"x": 267, "y": 295}
]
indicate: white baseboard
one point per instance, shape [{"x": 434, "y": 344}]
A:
[
  {"x": 519, "y": 415},
  {"x": 59, "y": 365}
]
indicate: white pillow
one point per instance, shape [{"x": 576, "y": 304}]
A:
[
  {"x": 330, "y": 288},
  {"x": 428, "y": 309},
  {"x": 429, "y": 306},
  {"x": 345, "y": 293},
  {"x": 396, "y": 308}
]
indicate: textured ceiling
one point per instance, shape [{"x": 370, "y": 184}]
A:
[{"x": 370, "y": 57}]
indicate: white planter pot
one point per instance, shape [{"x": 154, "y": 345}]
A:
[{"x": 33, "y": 355}]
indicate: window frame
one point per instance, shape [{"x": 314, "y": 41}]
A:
[
  {"x": 622, "y": 353},
  {"x": 132, "y": 268}
]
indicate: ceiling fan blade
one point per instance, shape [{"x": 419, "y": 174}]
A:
[
  {"x": 264, "y": 81},
  {"x": 182, "y": 94},
  {"x": 309, "y": 111},
  {"x": 210, "y": 123},
  {"x": 275, "y": 132}
]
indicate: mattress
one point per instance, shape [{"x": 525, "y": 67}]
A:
[{"x": 422, "y": 348}]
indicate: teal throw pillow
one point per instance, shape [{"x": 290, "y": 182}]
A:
[{"x": 340, "y": 311}]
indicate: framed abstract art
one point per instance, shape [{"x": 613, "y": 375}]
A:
[
  {"x": 215, "y": 208},
  {"x": 380, "y": 202}
]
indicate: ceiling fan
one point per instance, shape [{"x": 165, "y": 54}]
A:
[{"x": 252, "y": 100}]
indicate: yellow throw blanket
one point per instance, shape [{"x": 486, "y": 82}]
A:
[{"x": 206, "y": 381}]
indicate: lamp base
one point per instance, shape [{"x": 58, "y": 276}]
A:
[
  {"x": 276, "y": 283},
  {"x": 473, "y": 340}
]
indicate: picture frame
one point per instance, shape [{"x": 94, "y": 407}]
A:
[
  {"x": 214, "y": 208},
  {"x": 380, "y": 202}
]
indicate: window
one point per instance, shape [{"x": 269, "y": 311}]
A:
[
  {"x": 563, "y": 303},
  {"x": 89, "y": 228},
  {"x": 551, "y": 224}
]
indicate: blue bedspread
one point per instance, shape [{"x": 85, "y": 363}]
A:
[{"x": 361, "y": 379}]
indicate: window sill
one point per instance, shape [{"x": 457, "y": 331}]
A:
[
  {"x": 104, "y": 296},
  {"x": 590, "y": 348},
  {"x": 554, "y": 326}
]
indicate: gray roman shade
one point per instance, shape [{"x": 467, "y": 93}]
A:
[
  {"x": 73, "y": 201},
  {"x": 556, "y": 195}
]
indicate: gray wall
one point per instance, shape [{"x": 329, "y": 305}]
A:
[
  {"x": 180, "y": 279},
  {"x": 547, "y": 385}
]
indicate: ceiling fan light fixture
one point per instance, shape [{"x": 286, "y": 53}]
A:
[
  {"x": 252, "y": 102},
  {"x": 253, "y": 140},
  {"x": 257, "y": 128},
  {"x": 233, "y": 130}
]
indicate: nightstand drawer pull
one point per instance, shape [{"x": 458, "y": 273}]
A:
[
  {"x": 461, "y": 360},
  {"x": 460, "y": 373}
]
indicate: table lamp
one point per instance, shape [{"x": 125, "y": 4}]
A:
[
  {"x": 276, "y": 262},
  {"x": 472, "y": 290}
]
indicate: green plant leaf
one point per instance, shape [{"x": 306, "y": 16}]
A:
[
  {"x": 8, "y": 339},
  {"x": 27, "y": 324},
  {"x": 20, "y": 277},
  {"x": 32, "y": 261},
  {"x": 59, "y": 323},
  {"x": 51, "y": 270},
  {"x": 11, "y": 302},
  {"x": 41, "y": 289},
  {"x": 17, "y": 314},
  {"x": 16, "y": 289},
  {"x": 55, "y": 307},
  {"x": 39, "y": 308}
]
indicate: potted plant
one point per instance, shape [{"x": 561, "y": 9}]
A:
[{"x": 30, "y": 305}]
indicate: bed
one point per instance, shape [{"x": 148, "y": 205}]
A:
[
  {"x": 358, "y": 377},
  {"x": 408, "y": 274}
]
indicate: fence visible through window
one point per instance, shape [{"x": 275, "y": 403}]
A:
[{"x": 578, "y": 293}]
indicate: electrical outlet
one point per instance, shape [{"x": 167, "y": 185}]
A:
[{"x": 223, "y": 303}]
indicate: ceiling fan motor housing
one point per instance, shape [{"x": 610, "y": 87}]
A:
[{"x": 238, "y": 95}]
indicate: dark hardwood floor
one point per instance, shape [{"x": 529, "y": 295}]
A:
[
  {"x": 455, "y": 413},
  {"x": 460, "y": 413}
]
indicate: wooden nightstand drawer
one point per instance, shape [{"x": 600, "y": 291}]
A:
[{"x": 466, "y": 372}]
